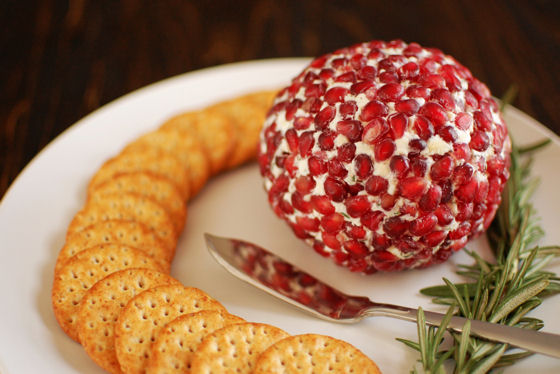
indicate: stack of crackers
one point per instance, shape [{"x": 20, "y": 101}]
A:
[{"x": 112, "y": 290}]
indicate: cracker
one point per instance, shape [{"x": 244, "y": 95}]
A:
[
  {"x": 130, "y": 233},
  {"x": 174, "y": 347},
  {"x": 101, "y": 306},
  {"x": 147, "y": 313},
  {"x": 214, "y": 131},
  {"x": 312, "y": 353},
  {"x": 157, "y": 188},
  {"x": 264, "y": 99},
  {"x": 128, "y": 207},
  {"x": 152, "y": 160},
  {"x": 234, "y": 348},
  {"x": 184, "y": 146},
  {"x": 86, "y": 268},
  {"x": 248, "y": 117}
]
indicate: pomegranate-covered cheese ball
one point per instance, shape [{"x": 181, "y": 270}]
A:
[{"x": 385, "y": 156}]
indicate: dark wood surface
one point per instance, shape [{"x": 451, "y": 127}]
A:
[{"x": 60, "y": 60}]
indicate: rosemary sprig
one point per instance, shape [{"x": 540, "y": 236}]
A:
[{"x": 503, "y": 291}]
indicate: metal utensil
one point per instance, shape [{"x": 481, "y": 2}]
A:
[{"x": 272, "y": 274}]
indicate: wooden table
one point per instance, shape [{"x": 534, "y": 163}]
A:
[{"x": 63, "y": 59}]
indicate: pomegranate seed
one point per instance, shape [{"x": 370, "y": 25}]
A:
[
  {"x": 355, "y": 247},
  {"x": 434, "y": 238},
  {"x": 388, "y": 77},
  {"x": 306, "y": 142},
  {"x": 409, "y": 70},
  {"x": 352, "y": 129},
  {"x": 479, "y": 141},
  {"x": 346, "y": 152},
  {"x": 326, "y": 140},
  {"x": 373, "y": 109},
  {"x": 390, "y": 92},
  {"x": 479, "y": 89},
  {"x": 358, "y": 61},
  {"x": 461, "y": 231},
  {"x": 482, "y": 121},
  {"x": 423, "y": 127},
  {"x": 432, "y": 81},
  {"x": 326, "y": 74},
  {"x": 290, "y": 165},
  {"x": 355, "y": 232},
  {"x": 495, "y": 166},
  {"x": 319, "y": 62},
  {"x": 324, "y": 117},
  {"x": 384, "y": 149},
  {"x": 332, "y": 223},
  {"x": 442, "y": 168},
  {"x": 444, "y": 215},
  {"x": 398, "y": 123},
  {"x": 462, "y": 174},
  {"x": 307, "y": 223},
  {"x": 363, "y": 166},
  {"x": 286, "y": 206},
  {"x": 462, "y": 151},
  {"x": 376, "y": 185},
  {"x": 463, "y": 121},
  {"x": 346, "y": 77},
  {"x": 407, "y": 245},
  {"x": 312, "y": 105},
  {"x": 300, "y": 204},
  {"x": 371, "y": 220},
  {"x": 302, "y": 123},
  {"x": 418, "y": 92},
  {"x": 412, "y": 188},
  {"x": 464, "y": 211},
  {"x": 347, "y": 109},
  {"x": 435, "y": 112},
  {"x": 322, "y": 204},
  {"x": 357, "y": 205},
  {"x": 280, "y": 185},
  {"x": 423, "y": 225},
  {"x": 315, "y": 90},
  {"x": 292, "y": 139},
  {"x": 339, "y": 63},
  {"x": 443, "y": 97},
  {"x": 449, "y": 74},
  {"x": 467, "y": 191},
  {"x": 446, "y": 190},
  {"x": 316, "y": 166},
  {"x": 367, "y": 73},
  {"x": 417, "y": 144},
  {"x": 418, "y": 166},
  {"x": 431, "y": 199},
  {"x": 363, "y": 87},
  {"x": 304, "y": 184},
  {"x": 331, "y": 240},
  {"x": 409, "y": 209},
  {"x": 395, "y": 227},
  {"x": 470, "y": 100},
  {"x": 374, "y": 130},
  {"x": 407, "y": 106},
  {"x": 413, "y": 49},
  {"x": 335, "y": 95},
  {"x": 336, "y": 169},
  {"x": 291, "y": 109},
  {"x": 448, "y": 134},
  {"x": 388, "y": 201},
  {"x": 335, "y": 189},
  {"x": 399, "y": 165}
]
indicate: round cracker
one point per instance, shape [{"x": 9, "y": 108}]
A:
[
  {"x": 234, "y": 348},
  {"x": 248, "y": 117},
  {"x": 313, "y": 353},
  {"x": 153, "y": 160},
  {"x": 128, "y": 207},
  {"x": 101, "y": 306},
  {"x": 184, "y": 146},
  {"x": 130, "y": 233},
  {"x": 157, "y": 188},
  {"x": 83, "y": 270},
  {"x": 174, "y": 347},
  {"x": 264, "y": 99},
  {"x": 147, "y": 313},
  {"x": 214, "y": 131}
]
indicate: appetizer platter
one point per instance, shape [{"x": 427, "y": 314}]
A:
[{"x": 114, "y": 211}]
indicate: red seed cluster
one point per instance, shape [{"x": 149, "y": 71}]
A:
[{"x": 385, "y": 156}]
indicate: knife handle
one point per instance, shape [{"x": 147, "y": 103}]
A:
[{"x": 530, "y": 340}]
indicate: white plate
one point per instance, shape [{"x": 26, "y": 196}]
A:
[{"x": 41, "y": 202}]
